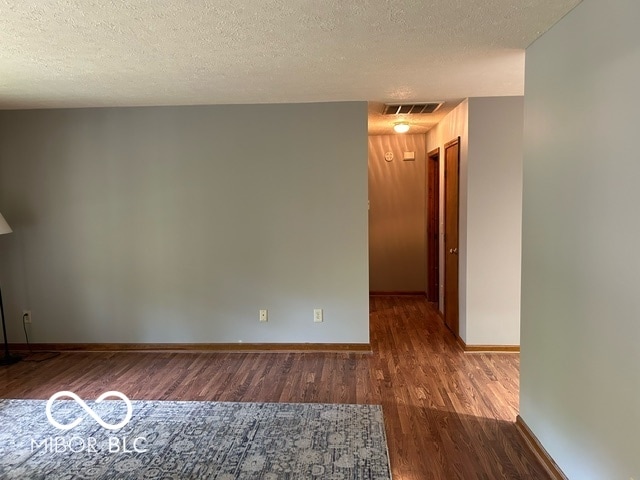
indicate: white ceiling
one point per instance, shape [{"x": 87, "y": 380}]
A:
[{"x": 81, "y": 53}]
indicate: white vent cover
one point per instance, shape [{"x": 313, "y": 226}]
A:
[{"x": 411, "y": 108}]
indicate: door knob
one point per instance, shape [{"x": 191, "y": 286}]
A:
[{"x": 453, "y": 251}]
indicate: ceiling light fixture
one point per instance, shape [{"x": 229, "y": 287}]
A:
[{"x": 401, "y": 127}]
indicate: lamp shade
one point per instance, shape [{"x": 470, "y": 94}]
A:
[
  {"x": 401, "y": 127},
  {"x": 4, "y": 226}
]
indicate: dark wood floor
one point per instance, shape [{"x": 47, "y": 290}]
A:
[{"x": 448, "y": 415}]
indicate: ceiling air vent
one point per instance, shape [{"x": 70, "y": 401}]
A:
[{"x": 410, "y": 108}]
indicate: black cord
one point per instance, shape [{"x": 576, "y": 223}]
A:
[
  {"x": 26, "y": 335},
  {"x": 49, "y": 356}
]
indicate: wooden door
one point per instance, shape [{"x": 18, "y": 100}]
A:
[
  {"x": 433, "y": 222},
  {"x": 451, "y": 209}
]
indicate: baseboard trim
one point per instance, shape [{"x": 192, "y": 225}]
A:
[
  {"x": 538, "y": 450},
  {"x": 397, "y": 294},
  {"x": 195, "y": 347},
  {"x": 488, "y": 348}
]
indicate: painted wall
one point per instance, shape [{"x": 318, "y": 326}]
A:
[
  {"x": 580, "y": 382},
  {"x": 494, "y": 221},
  {"x": 490, "y": 131},
  {"x": 397, "y": 218},
  {"x": 176, "y": 224},
  {"x": 454, "y": 125}
]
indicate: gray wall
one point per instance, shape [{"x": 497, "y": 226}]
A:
[
  {"x": 494, "y": 221},
  {"x": 397, "y": 217},
  {"x": 491, "y": 151},
  {"x": 580, "y": 381},
  {"x": 176, "y": 224}
]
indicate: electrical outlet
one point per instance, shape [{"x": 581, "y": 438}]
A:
[
  {"x": 264, "y": 316},
  {"x": 317, "y": 315},
  {"x": 26, "y": 316}
]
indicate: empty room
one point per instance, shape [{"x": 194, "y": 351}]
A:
[{"x": 319, "y": 240}]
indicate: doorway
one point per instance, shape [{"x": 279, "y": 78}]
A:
[
  {"x": 451, "y": 225},
  {"x": 433, "y": 222}
]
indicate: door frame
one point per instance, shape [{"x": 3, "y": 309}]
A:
[
  {"x": 433, "y": 225},
  {"x": 451, "y": 240}
]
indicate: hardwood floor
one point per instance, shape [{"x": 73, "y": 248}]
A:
[{"x": 448, "y": 415}]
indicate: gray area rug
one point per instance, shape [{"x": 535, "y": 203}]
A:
[{"x": 193, "y": 440}]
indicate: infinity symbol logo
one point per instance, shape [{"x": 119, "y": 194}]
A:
[{"x": 86, "y": 408}]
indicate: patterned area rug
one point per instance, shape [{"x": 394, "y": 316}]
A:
[{"x": 192, "y": 440}]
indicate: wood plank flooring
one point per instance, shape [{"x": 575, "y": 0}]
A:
[{"x": 448, "y": 415}]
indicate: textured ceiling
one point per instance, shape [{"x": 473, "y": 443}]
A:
[{"x": 80, "y": 53}]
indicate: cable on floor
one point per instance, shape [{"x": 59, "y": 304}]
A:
[{"x": 40, "y": 356}]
